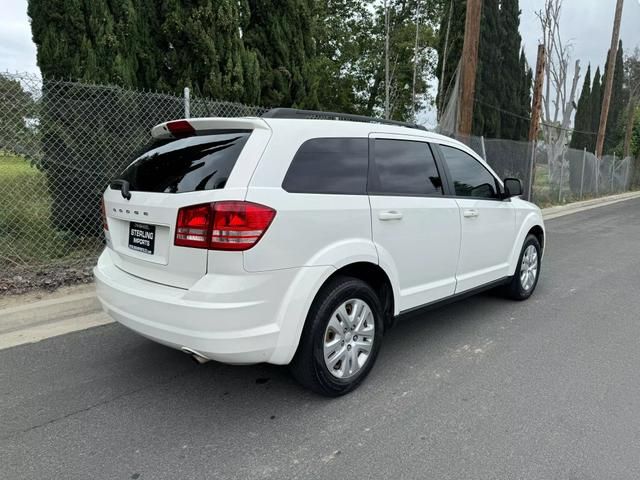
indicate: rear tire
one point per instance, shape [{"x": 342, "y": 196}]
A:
[
  {"x": 527, "y": 273},
  {"x": 341, "y": 338}
]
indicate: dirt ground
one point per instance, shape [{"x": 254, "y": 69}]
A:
[{"x": 19, "y": 280}]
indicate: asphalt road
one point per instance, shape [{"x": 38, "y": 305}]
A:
[{"x": 483, "y": 389}]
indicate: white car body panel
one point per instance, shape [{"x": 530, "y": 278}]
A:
[
  {"x": 488, "y": 232},
  {"x": 330, "y": 229},
  {"x": 528, "y": 216},
  {"x": 430, "y": 225},
  {"x": 251, "y": 306}
]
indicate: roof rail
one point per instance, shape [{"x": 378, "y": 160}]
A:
[{"x": 295, "y": 113}]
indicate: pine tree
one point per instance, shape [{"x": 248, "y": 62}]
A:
[
  {"x": 596, "y": 107},
  {"x": 582, "y": 123},
  {"x": 281, "y": 35}
]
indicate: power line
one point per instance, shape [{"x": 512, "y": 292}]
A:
[{"x": 550, "y": 125}]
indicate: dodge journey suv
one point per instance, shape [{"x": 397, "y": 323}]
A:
[{"x": 300, "y": 237}]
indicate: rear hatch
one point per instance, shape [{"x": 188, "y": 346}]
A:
[{"x": 141, "y": 205}]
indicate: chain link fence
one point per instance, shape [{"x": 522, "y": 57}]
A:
[
  {"x": 561, "y": 174},
  {"x": 61, "y": 142}
]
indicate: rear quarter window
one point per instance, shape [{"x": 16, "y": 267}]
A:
[
  {"x": 329, "y": 165},
  {"x": 191, "y": 164}
]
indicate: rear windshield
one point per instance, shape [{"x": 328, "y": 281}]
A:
[{"x": 187, "y": 165}]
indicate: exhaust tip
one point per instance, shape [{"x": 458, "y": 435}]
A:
[{"x": 196, "y": 356}]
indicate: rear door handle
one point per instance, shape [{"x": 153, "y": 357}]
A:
[
  {"x": 390, "y": 215},
  {"x": 470, "y": 213}
]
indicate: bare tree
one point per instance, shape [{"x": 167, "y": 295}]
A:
[
  {"x": 415, "y": 62},
  {"x": 559, "y": 95}
]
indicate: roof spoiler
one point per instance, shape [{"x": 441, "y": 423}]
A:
[{"x": 193, "y": 126}]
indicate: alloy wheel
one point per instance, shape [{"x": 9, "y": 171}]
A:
[
  {"x": 348, "y": 338},
  {"x": 529, "y": 268}
]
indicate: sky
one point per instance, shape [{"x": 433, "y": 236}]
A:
[{"x": 587, "y": 24}]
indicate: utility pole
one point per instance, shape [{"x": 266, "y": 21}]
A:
[
  {"x": 469, "y": 66},
  {"x": 536, "y": 108},
  {"x": 611, "y": 66},
  {"x": 386, "y": 60}
]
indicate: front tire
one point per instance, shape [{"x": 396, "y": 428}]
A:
[
  {"x": 525, "y": 279},
  {"x": 341, "y": 338}
]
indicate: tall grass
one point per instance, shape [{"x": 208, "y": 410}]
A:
[{"x": 26, "y": 234}]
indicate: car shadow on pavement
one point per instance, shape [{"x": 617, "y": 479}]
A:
[
  {"x": 128, "y": 379},
  {"x": 415, "y": 341},
  {"x": 434, "y": 330}
]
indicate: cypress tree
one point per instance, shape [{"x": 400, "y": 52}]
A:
[
  {"x": 489, "y": 98},
  {"x": 524, "y": 94},
  {"x": 147, "y": 44},
  {"x": 137, "y": 29},
  {"x": 596, "y": 107},
  {"x": 512, "y": 74},
  {"x": 281, "y": 35},
  {"x": 502, "y": 98},
  {"x": 203, "y": 49},
  {"x": 615, "y": 121},
  {"x": 61, "y": 32},
  {"x": 582, "y": 122}
]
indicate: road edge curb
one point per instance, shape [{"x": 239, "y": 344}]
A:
[
  {"x": 48, "y": 311},
  {"x": 581, "y": 206}
]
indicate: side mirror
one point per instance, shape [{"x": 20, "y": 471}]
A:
[{"x": 512, "y": 187}]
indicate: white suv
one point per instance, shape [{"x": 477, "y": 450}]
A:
[{"x": 291, "y": 240}]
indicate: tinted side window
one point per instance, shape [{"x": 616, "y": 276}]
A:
[
  {"x": 329, "y": 165},
  {"x": 470, "y": 177},
  {"x": 404, "y": 167},
  {"x": 187, "y": 165}
]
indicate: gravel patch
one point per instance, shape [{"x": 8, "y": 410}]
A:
[{"x": 18, "y": 280}]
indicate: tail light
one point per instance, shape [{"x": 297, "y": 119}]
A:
[
  {"x": 239, "y": 225},
  {"x": 193, "y": 228},
  {"x": 103, "y": 214},
  {"x": 227, "y": 225}
]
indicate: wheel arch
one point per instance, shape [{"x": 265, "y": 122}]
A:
[
  {"x": 531, "y": 224},
  {"x": 374, "y": 275},
  {"x": 538, "y": 232},
  {"x": 299, "y": 300}
]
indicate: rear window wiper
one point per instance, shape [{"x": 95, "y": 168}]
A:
[{"x": 123, "y": 185}]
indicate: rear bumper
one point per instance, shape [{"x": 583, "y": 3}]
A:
[{"x": 229, "y": 318}]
